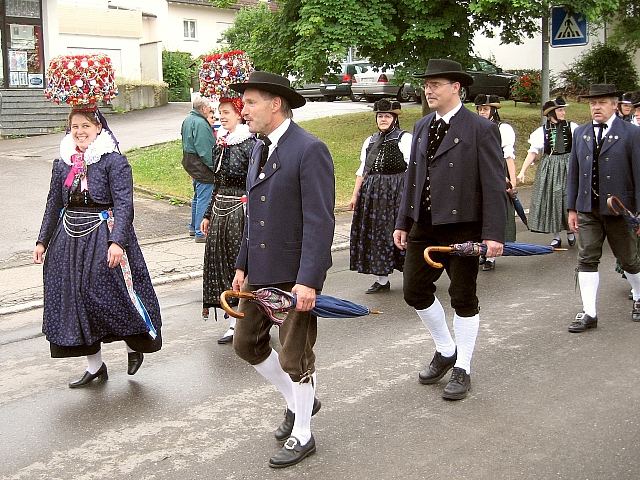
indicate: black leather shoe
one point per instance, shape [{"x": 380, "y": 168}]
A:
[
  {"x": 285, "y": 428},
  {"x": 556, "y": 243},
  {"x": 377, "y": 288},
  {"x": 292, "y": 452},
  {"x": 635, "y": 313},
  {"x": 571, "y": 240},
  {"x": 134, "y": 361},
  {"x": 437, "y": 369},
  {"x": 226, "y": 339},
  {"x": 488, "y": 265},
  {"x": 583, "y": 322},
  {"x": 458, "y": 386},
  {"x": 87, "y": 378}
]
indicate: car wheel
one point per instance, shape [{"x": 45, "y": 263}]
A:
[
  {"x": 464, "y": 94},
  {"x": 330, "y": 98},
  {"x": 355, "y": 98},
  {"x": 403, "y": 96}
]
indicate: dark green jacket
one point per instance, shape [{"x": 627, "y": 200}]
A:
[{"x": 197, "y": 137}]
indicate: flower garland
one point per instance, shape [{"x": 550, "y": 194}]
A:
[
  {"x": 80, "y": 80},
  {"x": 221, "y": 70}
]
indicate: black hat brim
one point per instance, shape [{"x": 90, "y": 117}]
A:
[
  {"x": 615, "y": 94},
  {"x": 461, "y": 77},
  {"x": 294, "y": 99}
]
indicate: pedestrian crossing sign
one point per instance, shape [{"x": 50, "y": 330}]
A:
[{"x": 568, "y": 29}]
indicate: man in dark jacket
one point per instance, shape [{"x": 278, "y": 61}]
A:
[
  {"x": 286, "y": 244},
  {"x": 197, "y": 160},
  {"x": 454, "y": 192},
  {"x": 605, "y": 161}
]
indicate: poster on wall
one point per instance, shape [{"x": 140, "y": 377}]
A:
[
  {"x": 23, "y": 79},
  {"x": 36, "y": 80},
  {"x": 13, "y": 79},
  {"x": 17, "y": 60},
  {"x": 22, "y": 37}
]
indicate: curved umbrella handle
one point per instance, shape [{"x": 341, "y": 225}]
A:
[
  {"x": 429, "y": 260},
  {"x": 232, "y": 293},
  {"x": 616, "y": 206}
]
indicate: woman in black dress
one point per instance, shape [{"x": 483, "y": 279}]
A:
[
  {"x": 376, "y": 197},
  {"x": 223, "y": 221}
]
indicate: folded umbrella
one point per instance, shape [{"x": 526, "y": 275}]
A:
[
  {"x": 618, "y": 208},
  {"x": 517, "y": 204},
  {"x": 472, "y": 249},
  {"x": 276, "y": 303}
]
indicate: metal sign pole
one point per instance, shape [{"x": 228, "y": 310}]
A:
[{"x": 544, "y": 75}]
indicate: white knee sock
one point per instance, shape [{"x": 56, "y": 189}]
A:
[
  {"x": 634, "y": 281},
  {"x": 382, "y": 279},
  {"x": 303, "y": 393},
  {"x": 94, "y": 362},
  {"x": 273, "y": 372},
  {"x": 232, "y": 326},
  {"x": 466, "y": 331},
  {"x": 434, "y": 319},
  {"x": 588, "y": 291}
]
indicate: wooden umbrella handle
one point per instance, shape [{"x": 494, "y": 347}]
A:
[
  {"x": 429, "y": 260},
  {"x": 232, "y": 293}
]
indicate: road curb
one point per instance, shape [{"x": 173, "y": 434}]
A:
[{"x": 178, "y": 277}]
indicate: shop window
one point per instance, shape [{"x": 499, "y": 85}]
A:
[
  {"x": 25, "y": 56},
  {"x": 189, "y": 29},
  {"x": 22, "y": 8}
]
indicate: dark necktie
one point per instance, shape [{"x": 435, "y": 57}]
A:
[
  {"x": 264, "y": 154},
  {"x": 601, "y": 128}
]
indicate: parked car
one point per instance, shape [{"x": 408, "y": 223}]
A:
[
  {"x": 342, "y": 88},
  {"x": 376, "y": 83},
  {"x": 487, "y": 78}
]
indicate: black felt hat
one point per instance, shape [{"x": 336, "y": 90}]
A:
[
  {"x": 551, "y": 105},
  {"x": 489, "y": 100},
  {"x": 628, "y": 98},
  {"x": 444, "y": 68},
  {"x": 387, "y": 106},
  {"x": 272, "y": 83},
  {"x": 599, "y": 90}
]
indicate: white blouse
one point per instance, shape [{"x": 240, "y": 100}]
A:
[
  {"x": 508, "y": 140},
  {"x": 536, "y": 139},
  {"x": 404, "y": 144}
]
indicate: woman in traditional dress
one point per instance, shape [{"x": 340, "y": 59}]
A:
[
  {"x": 223, "y": 221},
  {"x": 376, "y": 197},
  {"x": 97, "y": 288},
  {"x": 548, "y": 210},
  {"x": 487, "y": 106}
]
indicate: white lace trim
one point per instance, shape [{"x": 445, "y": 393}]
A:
[
  {"x": 239, "y": 135},
  {"x": 104, "y": 143}
]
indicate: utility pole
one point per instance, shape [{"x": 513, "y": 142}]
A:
[{"x": 544, "y": 77}]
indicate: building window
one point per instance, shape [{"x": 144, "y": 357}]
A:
[
  {"x": 23, "y": 8},
  {"x": 189, "y": 29}
]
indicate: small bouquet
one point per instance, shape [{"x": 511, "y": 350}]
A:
[
  {"x": 221, "y": 70},
  {"x": 528, "y": 88},
  {"x": 80, "y": 80}
]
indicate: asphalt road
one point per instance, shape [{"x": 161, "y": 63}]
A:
[{"x": 545, "y": 404}]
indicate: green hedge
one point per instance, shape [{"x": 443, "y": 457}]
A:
[{"x": 178, "y": 69}]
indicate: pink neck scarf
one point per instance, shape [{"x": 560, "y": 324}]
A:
[{"x": 78, "y": 169}]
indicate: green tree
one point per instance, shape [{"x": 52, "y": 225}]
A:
[
  {"x": 177, "y": 71},
  {"x": 626, "y": 29}
]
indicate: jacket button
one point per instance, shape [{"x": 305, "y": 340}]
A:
[
  {"x": 414, "y": 163},
  {"x": 263, "y": 198},
  {"x": 608, "y": 194},
  {"x": 608, "y": 177},
  {"x": 456, "y": 140},
  {"x": 585, "y": 174},
  {"x": 262, "y": 223},
  {"x": 585, "y": 192},
  {"x": 452, "y": 187},
  {"x": 411, "y": 206},
  {"x": 274, "y": 166},
  {"x": 414, "y": 184},
  {"x": 262, "y": 245},
  {"x": 454, "y": 212},
  {"x": 587, "y": 157},
  {"x": 261, "y": 176},
  {"x": 450, "y": 164}
]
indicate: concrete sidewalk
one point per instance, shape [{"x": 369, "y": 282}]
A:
[{"x": 169, "y": 259}]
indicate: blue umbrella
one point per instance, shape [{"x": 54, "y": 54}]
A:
[
  {"x": 517, "y": 205},
  {"x": 469, "y": 249},
  {"x": 276, "y": 304},
  {"x": 618, "y": 208}
]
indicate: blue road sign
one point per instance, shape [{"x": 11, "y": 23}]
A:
[{"x": 568, "y": 29}]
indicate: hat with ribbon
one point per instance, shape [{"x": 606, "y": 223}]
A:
[
  {"x": 488, "y": 100},
  {"x": 551, "y": 105},
  {"x": 600, "y": 90},
  {"x": 387, "y": 106},
  {"x": 445, "y": 68},
  {"x": 272, "y": 83},
  {"x": 628, "y": 97}
]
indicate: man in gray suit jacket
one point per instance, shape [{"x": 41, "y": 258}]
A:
[
  {"x": 454, "y": 191},
  {"x": 286, "y": 244},
  {"x": 605, "y": 161}
]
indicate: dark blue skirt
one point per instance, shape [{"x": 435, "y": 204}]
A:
[{"x": 86, "y": 302}]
